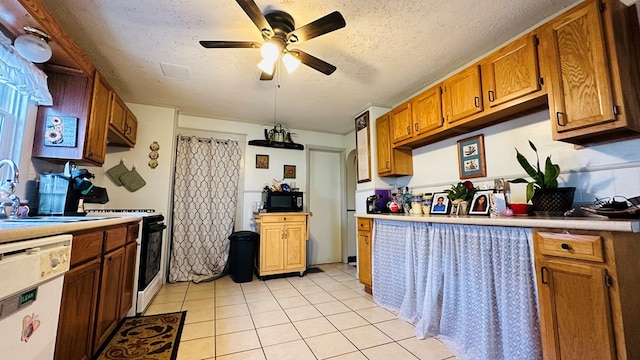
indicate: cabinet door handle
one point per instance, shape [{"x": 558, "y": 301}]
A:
[
  {"x": 558, "y": 113},
  {"x": 565, "y": 246},
  {"x": 542, "y": 271},
  {"x": 408, "y": 129},
  {"x": 366, "y": 240},
  {"x": 416, "y": 126},
  {"x": 476, "y": 101},
  {"x": 387, "y": 164},
  {"x": 491, "y": 96}
]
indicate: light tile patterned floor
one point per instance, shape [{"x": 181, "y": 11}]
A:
[{"x": 319, "y": 316}]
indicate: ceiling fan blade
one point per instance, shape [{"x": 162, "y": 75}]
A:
[
  {"x": 312, "y": 61},
  {"x": 255, "y": 14},
  {"x": 265, "y": 76},
  {"x": 229, "y": 44},
  {"x": 326, "y": 24}
]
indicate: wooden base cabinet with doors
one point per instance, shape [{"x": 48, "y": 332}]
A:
[
  {"x": 365, "y": 230},
  {"x": 96, "y": 291},
  {"x": 589, "y": 293},
  {"x": 283, "y": 242}
]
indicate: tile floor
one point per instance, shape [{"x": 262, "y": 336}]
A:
[{"x": 324, "y": 315}]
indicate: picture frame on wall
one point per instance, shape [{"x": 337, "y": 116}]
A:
[
  {"x": 363, "y": 148},
  {"x": 289, "y": 171},
  {"x": 471, "y": 159},
  {"x": 480, "y": 205},
  {"x": 441, "y": 204},
  {"x": 61, "y": 131},
  {"x": 262, "y": 161}
]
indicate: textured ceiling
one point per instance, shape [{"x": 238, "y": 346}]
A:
[{"x": 387, "y": 52}]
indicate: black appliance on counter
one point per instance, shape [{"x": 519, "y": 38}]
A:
[
  {"x": 377, "y": 203},
  {"x": 282, "y": 201},
  {"x": 65, "y": 193},
  {"x": 372, "y": 206}
]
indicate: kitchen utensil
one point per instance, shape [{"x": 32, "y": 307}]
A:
[{"x": 132, "y": 181}]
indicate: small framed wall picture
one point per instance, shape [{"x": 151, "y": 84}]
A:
[
  {"x": 440, "y": 204},
  {"x": 363, "y": 148},
  {"x": 289, "y": 171},
  {"x": 471, "y": 160},
  {"x": 480, "y": 203},
  {"x": 60, "y": 131},
  {"x": 262, "y": 161}
]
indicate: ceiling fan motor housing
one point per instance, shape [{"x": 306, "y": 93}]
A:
[{"x": 282, "y": 24}]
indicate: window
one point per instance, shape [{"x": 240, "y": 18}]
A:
[{"x": 22, "y": 84}]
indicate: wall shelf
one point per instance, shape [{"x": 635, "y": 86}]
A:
[{"x": 277, "y": 144}]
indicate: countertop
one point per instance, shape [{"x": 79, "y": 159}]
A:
[
  {"x": 9, "y": 233},
  {"x": 576, "y": 223}
]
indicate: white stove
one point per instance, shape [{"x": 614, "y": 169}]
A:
[{"x": 148, "y": 278}]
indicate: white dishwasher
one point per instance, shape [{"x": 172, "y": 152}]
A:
[{"x": 31, "y": 279}]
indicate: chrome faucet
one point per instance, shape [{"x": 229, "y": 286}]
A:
[{"x": 10, "y": 187}]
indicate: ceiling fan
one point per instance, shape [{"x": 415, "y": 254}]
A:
[{"x": 278, "y": 30}]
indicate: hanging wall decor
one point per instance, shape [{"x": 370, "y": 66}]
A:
[
  {"x": 262, "y": 161},
  {"x": 289, "y": 171},
  {"x": 363, "y": 156},
  {"x": 60, "y": 131},
  {"x": 153, "y": 155}
]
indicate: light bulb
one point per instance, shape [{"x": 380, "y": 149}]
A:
[
  {"x": 290, "y": 62},
  {"x": 270, "y": 51},
  {"x": 267, "y": 66},
  {"x": 32, "y": 48}
]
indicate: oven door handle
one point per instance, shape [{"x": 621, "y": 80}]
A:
[{"x": 157, "y": 227}]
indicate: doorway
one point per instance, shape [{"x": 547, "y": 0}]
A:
[{"x": 327, "y": 205}]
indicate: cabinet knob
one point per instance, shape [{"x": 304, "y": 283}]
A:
[{"x": 565, "y": 246}]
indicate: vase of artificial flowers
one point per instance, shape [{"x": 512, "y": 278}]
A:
[{"x": 461, "y": 195}]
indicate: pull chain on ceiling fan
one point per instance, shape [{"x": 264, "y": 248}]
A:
[{"x": 278, "y": 31}]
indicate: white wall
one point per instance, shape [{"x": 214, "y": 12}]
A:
[
  {"x": 596, "y": 171},
  {"x": 256, "y": 179}
]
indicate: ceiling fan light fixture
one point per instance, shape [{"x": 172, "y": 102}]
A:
[
  {"x": 267, "y": 66},
  {"x": 291, "y": 62},
  {"x": 270, "y": 51},
  {"x": 33, "y": 45}
]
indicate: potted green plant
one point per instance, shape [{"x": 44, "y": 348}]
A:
[
  {"x": 543, "y": 192},
  {"x": 461, "y": 194}
]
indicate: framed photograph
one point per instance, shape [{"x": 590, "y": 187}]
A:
[
  {"x": 363, "y": 155},
  {"x": 262, "y": 161},
  {"x": 60, "y": 131},
  {"x": 289, "y": 171},
  {"x": 471, "y": 160},
  {"x": 480, "y": 203},
  {"x": 440, "y": 204}
]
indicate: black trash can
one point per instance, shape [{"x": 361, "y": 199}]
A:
[{"x": 242, "y": 254}]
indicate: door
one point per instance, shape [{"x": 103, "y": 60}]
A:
[
  {"x": 575, "y": 311},
  {"x": 327, "y": 204},
  {"x": 462, "y": 95},
  {"x": 294, "y": 246}
]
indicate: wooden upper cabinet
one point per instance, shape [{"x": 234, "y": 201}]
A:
[
  {"x": 123, "y": 125},
  {"x": 391, "y": 161},
  {"x": 591, "y": 63},
  {"x": 511, "y": 72},
  {"x": 96, "y": 141},
  {"x": 401, "y": 122},
  {"x": 426, "y": 111},
  {"x": 383, "y": 144},
  {"x": 462, "y": 94},
  {"x": 118, "y": 116}
]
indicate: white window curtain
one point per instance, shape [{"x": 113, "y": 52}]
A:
[
  {"x": 471, "y": 286},
  {"x": 21, "y": 83}
]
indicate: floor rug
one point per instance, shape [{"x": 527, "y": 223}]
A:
[
  {"x": 311, "y": 270},
  {"x": 154, "y": 337}
]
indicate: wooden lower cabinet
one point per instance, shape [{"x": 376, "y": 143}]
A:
[
  {"x": 365, "y": 229},
  {"x": 283, "y": 243},
  {"x": 77, "y": 312},
  {"x": 108, "y": 314},
  {"x": 588, "y": 294},
  {"x": 97, "y": 291}
]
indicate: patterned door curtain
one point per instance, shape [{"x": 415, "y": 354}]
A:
[{"x": 205, "y": 193}]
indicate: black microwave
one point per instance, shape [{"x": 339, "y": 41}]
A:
[{"x": 282, "y": 201}]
